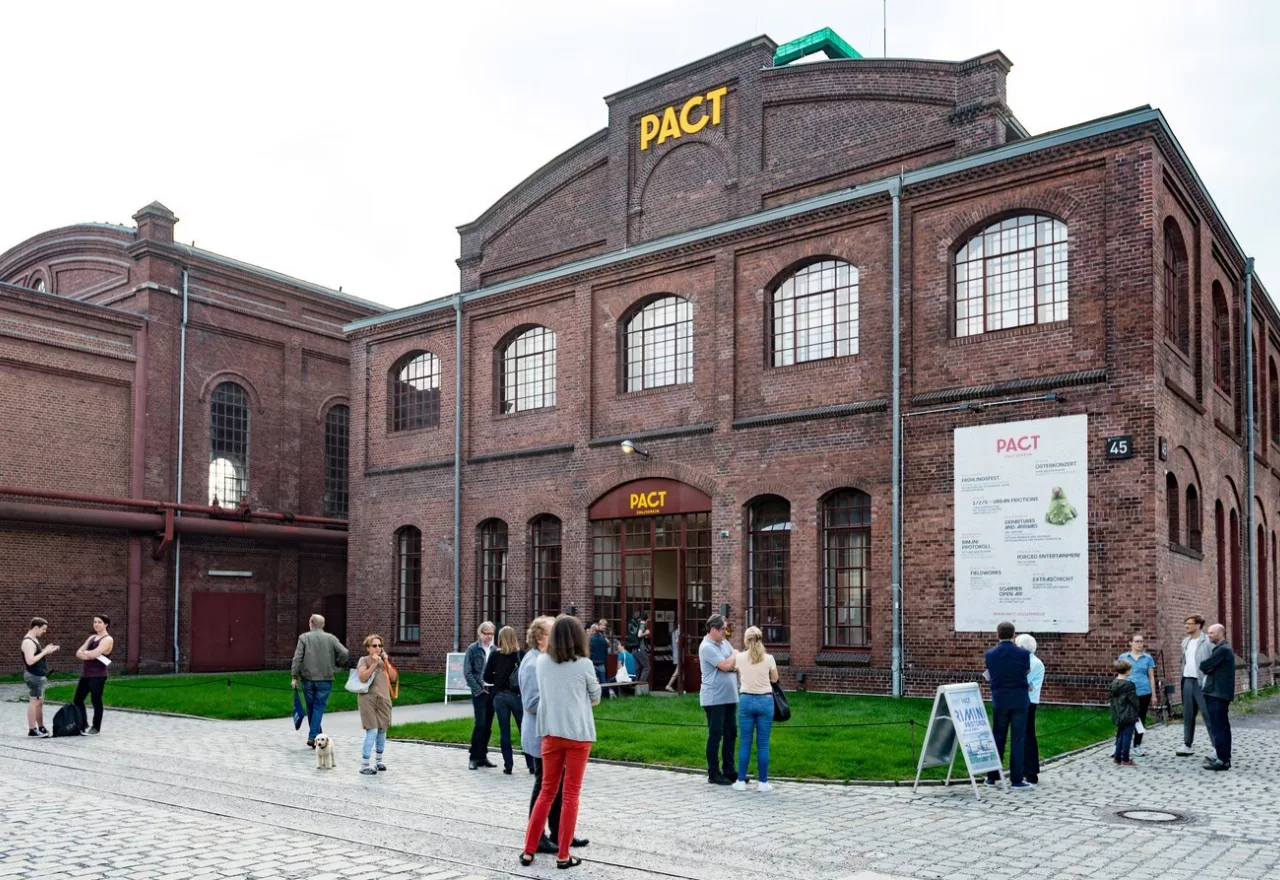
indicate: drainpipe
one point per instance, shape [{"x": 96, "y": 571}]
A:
[
  {"x": 457, "y": 475},
  {"x": 177, "y": 495},
  {"x": 895, "y": 539},
  {"x": 1252, "y": 568},
  {"x": 137, "y": 477}
]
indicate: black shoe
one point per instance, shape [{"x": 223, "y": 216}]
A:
[
  {"x": 1217, "y": 765},
  {"x": 368, "y": 771},
  {"x": 34, "y": 732},
  {"x": 719, "y": 779},
  {"x": 545, "y": 845},
  {"x": 486, "y": 763},
  {"x": 506, "y": 770},
  {"x": 472, "y": 765},
  {"x": 382, "y": 768},
  {"x": 579, "y": 841},
  {"x": 311, "y": 744},
  {"x": 44, "y": 731},
  {"x": 92, "y": 731}
]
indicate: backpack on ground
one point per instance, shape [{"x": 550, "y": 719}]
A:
[{"x": 70, "y": 720}]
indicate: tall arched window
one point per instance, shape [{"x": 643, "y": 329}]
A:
[
  {"x": 228, "y": 445},
  {"x": 769, "y": 568},
  {"x": 493, "y": 571},
  {"x": 1259, "y": 393},
  {"x": 529, "y": 371},
  {"x": 413, "y": 392},
  {"x": 1176, "y": 296},
  {"x": 1220, "y": 540},
  {"x": 408, "y": 584},
  {"x": 1237, "y": 604},
  {"x": 1194, "y": 538},
  {"x": 1222, "y": 362},
  {"x": 846, "y": 569},
  {"x": 1171, "y": 499},
  {"x": 1011, "y": 274},
  {"x": 814, "y": 314},
  {"x": 657, "y": 344},
  {"x": 1273, "y": 399},
  {"x": 545, "y": 577},
  {"x": 337, "y": 423},
  {"x": 1262, "y": 592}
]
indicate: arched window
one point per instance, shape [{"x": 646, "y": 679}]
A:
[
  {"x": 1011, "y": 274},
  {"x": 1273, "y": 399},
  {"x": 545, "y": 577},
  {"x": 1220, "y": 538},
  {"x": 657, "y": 345},
  {"x": 846, "y": 569},
  {"x": 814, "y": 314},
  {"x": 336, "y": 443},
  {"x": 493, "y": 571},
  {"x": 529, "y": 371},
  {"x": 228, "y": 445},
  {"x": 1262, "y": 593},
  {"x": 1236, "y": 605},
  {"x": 1171, "y": 499},
  {"x": 1176, "y": 297},
  {"x": 1259, "y": 393},
  {"x": 1222, "y": 362},
  {"x": 1194, "y": 539},
  {"x": 1265, "y": 603},
  {"x": 413, "y": 393},
  {"x": 769, "y": 568},
  {"x": 38, "y": 285},
  {"x": 408, "y": 584}
]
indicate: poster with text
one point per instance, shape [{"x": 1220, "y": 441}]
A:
[{"x": 1022, "y": 526}]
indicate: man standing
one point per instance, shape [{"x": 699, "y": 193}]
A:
[
  {"x": 641, "y": 650},
  {"x": 35, "y": 673},
  {"x": 1196, "y": 648},
  {"x": 719, "y": 699},
  {"x": 481, "y": 698},
  {"x": 1035, "y": 681},
  {"x": 1007, "y": 669},
  {"x": 1219, "y": 691},
  {"x": 598, "y": 645},
  {"x": 314, "y": 660}
]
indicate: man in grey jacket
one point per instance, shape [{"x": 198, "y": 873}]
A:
[
  {"x": 1219, "y": 690},
  {"x": 1195, "y": 650},
  {"x": 314, "y": 660},
  {"x": 481, "y": 698}
]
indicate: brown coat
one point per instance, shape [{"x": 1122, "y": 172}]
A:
[{"x": 375, "y": 704}]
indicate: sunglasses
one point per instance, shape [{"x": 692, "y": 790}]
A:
[{"x": 376, "y": 645}]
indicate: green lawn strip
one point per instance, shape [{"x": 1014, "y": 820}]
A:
[
  {"x": 800, "y": 747},
  {"x": 252, "y": 695},
  {"x": 16, "y": 677}
]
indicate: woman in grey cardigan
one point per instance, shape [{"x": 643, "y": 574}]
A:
[{"x": 567, "y": 689}]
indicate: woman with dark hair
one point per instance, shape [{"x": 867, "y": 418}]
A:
[
  {"x": 502, "y": 678},
  {"x": 567, "y": 689},
  {"x": 93, "y": 674}
]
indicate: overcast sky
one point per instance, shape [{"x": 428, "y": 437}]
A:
[{"x": 343, "y": 143}]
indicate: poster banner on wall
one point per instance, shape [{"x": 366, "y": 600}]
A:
[{"x": 1022, "y": 525}]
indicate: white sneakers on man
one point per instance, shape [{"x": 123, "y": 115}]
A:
[{"x": 764, "y": 786}]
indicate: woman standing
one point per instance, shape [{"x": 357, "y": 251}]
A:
[
  {"x": 756, "y": 671},
  {"x": 1143, "y": 677},
  {"x": 375, "y": 703},
  {"x": 95, "y": 652},
  {"x": 502, "y": 678},
  {"x": 567, "y": 689}
]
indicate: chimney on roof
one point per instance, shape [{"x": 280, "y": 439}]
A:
[{"x": 155, "y": 222}]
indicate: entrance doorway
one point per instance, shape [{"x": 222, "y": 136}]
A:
[
  {"x": 227, "y": 631},
  {"x": 655, "y": 562}
]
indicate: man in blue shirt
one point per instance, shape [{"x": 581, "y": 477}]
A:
[
  {"x": 1007, "y": 670},
  {"x": 719, "y": 699}
]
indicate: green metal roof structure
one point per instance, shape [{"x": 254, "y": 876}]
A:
[{"x": 825, "y": 40}]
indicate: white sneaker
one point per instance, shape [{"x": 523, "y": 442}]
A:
[
  {"x": 1183, "y": 751},
  {"x": 764, "y": 786},
  {"x": 739, "y": 785},
  {"x": 1137, "y": 750}
]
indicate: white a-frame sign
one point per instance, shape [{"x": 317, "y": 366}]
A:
[{"x": 959, "y": 721}]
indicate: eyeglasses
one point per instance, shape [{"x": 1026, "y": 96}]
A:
[{"x": 376, "y": 645}]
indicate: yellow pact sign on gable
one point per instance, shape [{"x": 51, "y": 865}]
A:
[{"x": 672, "y": 124}]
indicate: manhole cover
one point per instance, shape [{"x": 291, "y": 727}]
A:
[{"x": 1151, "y": 816}]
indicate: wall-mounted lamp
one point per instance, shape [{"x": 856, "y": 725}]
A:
[{"x": 629, "y": 448}]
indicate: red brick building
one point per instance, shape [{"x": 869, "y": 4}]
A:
[
  {"x": 101, "y": 372},
  {"x": 712, "y": 277}
]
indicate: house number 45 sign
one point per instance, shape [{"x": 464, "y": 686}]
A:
[{"x": 1120, "y": 447}]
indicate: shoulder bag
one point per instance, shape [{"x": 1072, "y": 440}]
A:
[
  {"x": 781, "y": 708},
  {"x": 355, "y": 685}
]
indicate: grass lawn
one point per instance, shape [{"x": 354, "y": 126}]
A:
[
  {"x": 16, "y": 677},
  {"x": 251, "y": 695},
  {"x": 636, "y": 729}
]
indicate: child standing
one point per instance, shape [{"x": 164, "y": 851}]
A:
[{"x": 1124, "y": 711}]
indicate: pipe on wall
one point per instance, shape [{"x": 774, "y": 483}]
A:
[
  {"x": 145, "y": 504},
  {"x": 895, "y": 575},
  {"x": 177, "y": 492},
  {"x": 1251, "y": 547},
  {"x": 137, "y": 474},
  {"x": 457, "y": 477}
]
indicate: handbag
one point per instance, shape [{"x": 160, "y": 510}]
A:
[
  {"x": 781, "y": 708},
  {"x": 355, "y": 685}
]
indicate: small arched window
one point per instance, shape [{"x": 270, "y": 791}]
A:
[
  {"x": 1011, "y": 274},
  {"x": 337, "y": 423},
  {"x": 528, "y": 371},
  {"x": 1222, "y": 362},
  {"x": 1194, "y": 538},
  {"x": 38, "y": 284},
  {"x": 1237, "y": 592},
  {"x": 413, "y": 393},
  {"x": 1263, "y": 589},
  {"x": 1220, "y": 546},
  {"x": 408, "y": 584},
  {"x": 846, "y": 569},
  {"x": 657, "y": 344},
  {"x": 1171, "y": 499},
  {"x": 228, "y": 445},
  {"x": 814, "y": 314},
  {"x": 769, "y": 568},
  {"x": 493, "y": 571},
  {"x": 545, "y": 577},
  {"x": 1176, "y": 296},
  {"x": 1273, "y": 399}
]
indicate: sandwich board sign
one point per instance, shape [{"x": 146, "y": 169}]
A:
[
  {"x": 455, "y": 681},
  {"x": 958, "y": 722}
]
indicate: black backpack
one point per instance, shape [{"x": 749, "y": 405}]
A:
[{"x": 70, "y": 721}]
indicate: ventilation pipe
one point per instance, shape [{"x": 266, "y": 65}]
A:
[
  {"x": 457, "y": 475},
  {"x": 895, "y": 540},
  {"x": 1251, "y": 652}
]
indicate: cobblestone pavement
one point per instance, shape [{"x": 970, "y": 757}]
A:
[{"x": 158, "y": 798}]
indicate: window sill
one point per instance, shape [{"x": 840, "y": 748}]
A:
[
  {"x": 515, "y": 414},
  {"x": 660, "y": 389},
  {"x": 1185, "y": 396},
  {"x": 1008, "y": 332},
  {"x": 409, "y": 432},
  {"x": 1183, "y": 550},
  {"x": 802, "y": 366},
  {"x": 1224, "y": 394},
  {"x": 406, "y": 649},
  {"x": 843, "y": 657},
  {"x": 1182, "y": 355}
]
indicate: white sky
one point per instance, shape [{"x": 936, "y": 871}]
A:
[{"x": 343, "y": 143}]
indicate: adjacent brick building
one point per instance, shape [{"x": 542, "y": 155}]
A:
[
  {"x": 711, "y": 277},
  {"x": 91, "y": 355}
]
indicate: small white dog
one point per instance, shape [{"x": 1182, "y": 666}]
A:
[{"x": 324, "y": 752}]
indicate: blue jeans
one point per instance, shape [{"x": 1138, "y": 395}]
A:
[
  {"x": 316, "y": 694},
  {"x": 755, "y": 715},
  {"x": 1124, "y": 739},
  {"x": 372, "y": 734},
  {"x": 507, "y": 705}
]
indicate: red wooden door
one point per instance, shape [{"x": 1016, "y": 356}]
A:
[
  {"x": 209, "y": 628},
  {"x": 246, "y": 647},
  {"x": 227, "y": 631}
]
